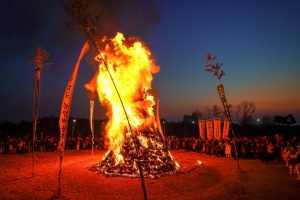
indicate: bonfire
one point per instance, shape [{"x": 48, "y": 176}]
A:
[{"x": 123, "y": 84}]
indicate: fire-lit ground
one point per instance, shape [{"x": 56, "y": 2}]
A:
[{"x": 216, "y": 178}]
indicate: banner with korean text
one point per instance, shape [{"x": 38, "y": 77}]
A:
[
  {"x": 224, "y": 101},
  {"x": 217, "y": 128},
  {"x": 225, "y": 128},
  {"x": 209, "y": 129},
  {"x": 67, "y": 99},
  {"x": 201, "y": 124}
]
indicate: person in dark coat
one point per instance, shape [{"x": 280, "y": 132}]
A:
[{"x": 264, "y": 153}]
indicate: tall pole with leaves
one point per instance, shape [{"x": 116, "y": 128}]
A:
[
  {"x": 215, "y": 68},
  {"x": 82, "y": 20},
  {"x": 40, "y": 60}
]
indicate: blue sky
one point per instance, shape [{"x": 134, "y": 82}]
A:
[{"x": 257, "y": 41}]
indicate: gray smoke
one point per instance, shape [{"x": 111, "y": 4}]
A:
[{"x": 131, "y": 17}]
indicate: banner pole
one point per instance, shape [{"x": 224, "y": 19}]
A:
[
  {"x": 65, "y": 109},
  {"x": 227, "y": 112}
]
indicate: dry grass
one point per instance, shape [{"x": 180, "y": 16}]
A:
[{"x": 217, "y": 178}]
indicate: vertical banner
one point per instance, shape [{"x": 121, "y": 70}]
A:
[
  {"x": 209, "y": 129},
  {"x": 92, "y": 123},
  {"x": 92, "y": 117},
  {"x": 201, "y": 124},
  {"x": 67, "y": 99},
  {"x": 225, "y": 128},
  {"x": 158, "y": 120},
  {"x": 217, "y": 128},
  {"x": 223, "y": 99}
]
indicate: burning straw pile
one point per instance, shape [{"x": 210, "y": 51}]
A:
[
  {"x": 154, "y": 158},
  {"x": 123, "y": 85}
]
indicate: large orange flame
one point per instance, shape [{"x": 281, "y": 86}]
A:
[
  {"x": 132, "y": 68},
  {"x": 124, "y": 87}
]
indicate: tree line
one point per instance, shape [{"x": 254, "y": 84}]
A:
[
  {"x": 243, "y": 115},
  {"x": 245, "y": 124}
]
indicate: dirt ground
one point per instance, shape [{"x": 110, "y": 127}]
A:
[{"x": 217, "y": 178}]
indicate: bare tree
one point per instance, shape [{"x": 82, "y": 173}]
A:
[
  {"x": 244, "y": 112},
  {"x": 230, "y": 110},
  {"x": 197, "y": 114},
  {"x": 82, "y": 19},
  {"x": 216, "y": 110},
  {"x": 208, "y": 111}
]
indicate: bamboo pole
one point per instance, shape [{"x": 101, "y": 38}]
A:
[
  {"x": 126, "y": 115},
  {"x": 39, "y": 61},
  {"x": 86, "y": 24},
  {"x": 35, "y": 112}
]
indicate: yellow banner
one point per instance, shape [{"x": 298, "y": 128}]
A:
[{"x": 67, "y": 99}]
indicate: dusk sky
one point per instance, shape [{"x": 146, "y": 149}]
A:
[{"x": 257, "y": 41}]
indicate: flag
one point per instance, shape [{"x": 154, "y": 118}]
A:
[
  {"x": 209, "y": 130},
  {"x": 223, "y": 99},
  {"x": 225, "y": 128},
  {"x": 201, "y": 124},
  {"x": 67, "y": 99},
  {"x": 217, "y": 128},
  {"x": 92, "y": 117},
  {"x": 158, "y": 120}
]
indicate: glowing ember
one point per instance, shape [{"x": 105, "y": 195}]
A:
[
  {"x": 199, "y": 162},
  {"x": 133, "y": 134}
]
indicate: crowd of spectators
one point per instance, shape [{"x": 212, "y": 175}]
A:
[
  {"x": 12, "y": 145},
  {"x": 263, "y": 148}
]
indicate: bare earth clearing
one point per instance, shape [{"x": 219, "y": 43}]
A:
[{"x": 216, "y": 178}]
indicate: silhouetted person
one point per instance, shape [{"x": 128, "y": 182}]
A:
[{"x": 264, "y": 152}]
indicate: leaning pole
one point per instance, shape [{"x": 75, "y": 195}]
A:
[
  {"x": 215, "y": 68},
  {"x": 127, "y": 118},
  {"x": 86, "y": 24}
]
